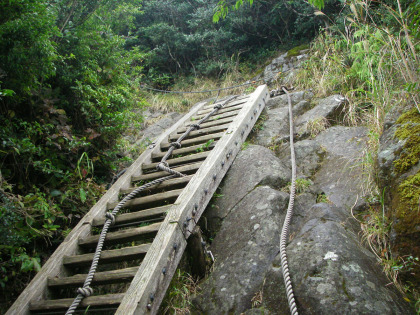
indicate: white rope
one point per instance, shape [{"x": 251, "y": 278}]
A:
[{"x": 285, "y": 229}]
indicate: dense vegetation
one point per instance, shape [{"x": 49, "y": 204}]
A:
[{"x": 70, "y": 72}]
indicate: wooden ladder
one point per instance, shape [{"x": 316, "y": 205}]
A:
[{"x": 143, "y": 249}]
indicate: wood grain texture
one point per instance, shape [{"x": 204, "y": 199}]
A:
[
  {"x": 202, "y": 139},
  {"x": 92, "y": 301},
  {"x": 182, "y": 169},
  {"x": 201, "y": 132},
  {"x": 108, "y": 256},
  {"x": 223, "y": 110},
  {"x": 122, "y": 236},
  {"x": 136, "y": 216},
  {"x": 165, "y": 185},
  {"x": 191, "y": 149},
  {"x": 210, "y": 124},
  {"x": 176, "y": 161},
  {"x": 147, "y": 199},
  {"x": 105, "y": 277}
]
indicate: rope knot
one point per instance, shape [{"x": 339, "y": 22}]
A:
[
  {"x": 195, "y": 126},
  {"x": 162, "y": 166},
  {"x": 218, "y": 106},
  {"x": 176, "y": 145},
  {"x": 111, "y": 217},
  {"x": 86, "y": 292}
]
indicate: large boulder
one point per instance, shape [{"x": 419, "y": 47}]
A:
[
  {"x": 244, "y": 249},
  {"x": 276, "y": 126},
  {"x": 338, "y": 274},
  {"x": 340, "y": 176},
  {"x": 328, "y": 111},
  {"x": 261, "y": 167},
  {"x": 399, "y": 179},
  {"x": 284, "y": 64}
]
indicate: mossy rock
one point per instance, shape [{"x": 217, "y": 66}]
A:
[
  {"x": 296, "y": 50},
  {"x": 405, "y": 190}
]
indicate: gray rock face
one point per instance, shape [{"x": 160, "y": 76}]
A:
[
  {"x": 331, "y": 272},
  {"x": 309, "y": 156},
  {"x": 283, "y": 64},
  {"x": 329, "y": 109},
  {"x": 244, "y": 248},
  {"x": 260, "y": 167},
  {"x": 276, "y": 127},
  {"x": 340, "y": 176},
  {"x": 153, "y": 131},
  {"x": 295, "y": 97}
]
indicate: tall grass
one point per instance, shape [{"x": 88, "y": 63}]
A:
[{"x": 168, "y": 102}]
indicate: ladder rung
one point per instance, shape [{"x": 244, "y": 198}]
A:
[
  {"x": 215, "y": 117},
  {"x": 127, "y": 235},
  {"x": 237, "y": 100},
  {"x": 104, "y": 277},
  {"x": 186, "y": 150},
  {"x": 181, "y": 160},
  {"x": 147, "y": 199},
  {"x": 108, "y": 256},
  {"x": 92, "y": 301},
  {"x": 182, "y": 169},
  {"x": 200, "y": 132},
  {"x": 210, "y": 124},
  {"x": 196, "y": 140},
  {"x": 135, "y": 216},
  {"x": 166, "y": 184},
  {"x": 223, "y": 110}
]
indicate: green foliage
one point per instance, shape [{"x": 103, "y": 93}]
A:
[
  {"x": 205, "y": 146},
  {"x": 68, "y": 85},
  {"x": 179, "y": 37}
]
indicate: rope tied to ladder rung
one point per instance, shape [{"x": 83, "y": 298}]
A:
[{"x": 111, "y": 217}]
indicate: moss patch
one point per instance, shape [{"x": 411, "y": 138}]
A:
[
  {"x": 409, "y": 131},
  {"x": 296, "y": 50},
  {"x": 408, "y": 210}
]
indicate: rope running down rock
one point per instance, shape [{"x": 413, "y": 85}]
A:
[
  {"x": 285, "y": 229},
  {"x": 86, "y": 290}
]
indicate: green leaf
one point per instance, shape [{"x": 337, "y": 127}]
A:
[
  {"x": 82, "y": 195},
  {"x": 55, "y": 193}
]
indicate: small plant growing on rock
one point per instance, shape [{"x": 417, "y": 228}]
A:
[
  {"x": 316, "y": 126},
  {"x": 302, "y": 185}
]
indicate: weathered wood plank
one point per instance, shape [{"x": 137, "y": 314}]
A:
[
  {"x": 121, "y": 236},
  {"x": 191, "y": 149},
  {"x": 239, "y": 99},
  {"x": 183, "y": 169},
  {"x": 108, "y": 256},
  {"x": 215, "y": 117},
  {"x": 209, "y": 124},
  {"x": 174, "y": 136},
  {"x": 135, "y": 216},
  {"x": 174, "y": 182},
  {"x": 149, "y": 279},
  {"x": 92, "y": 301},
  {"x": 202, "y": 139},
  {"x": 223, "y": 110},
  {"x": 147, "y": 199},
  {"x": 181, "y": 160},
  {"x": 104, "y": 277}
]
